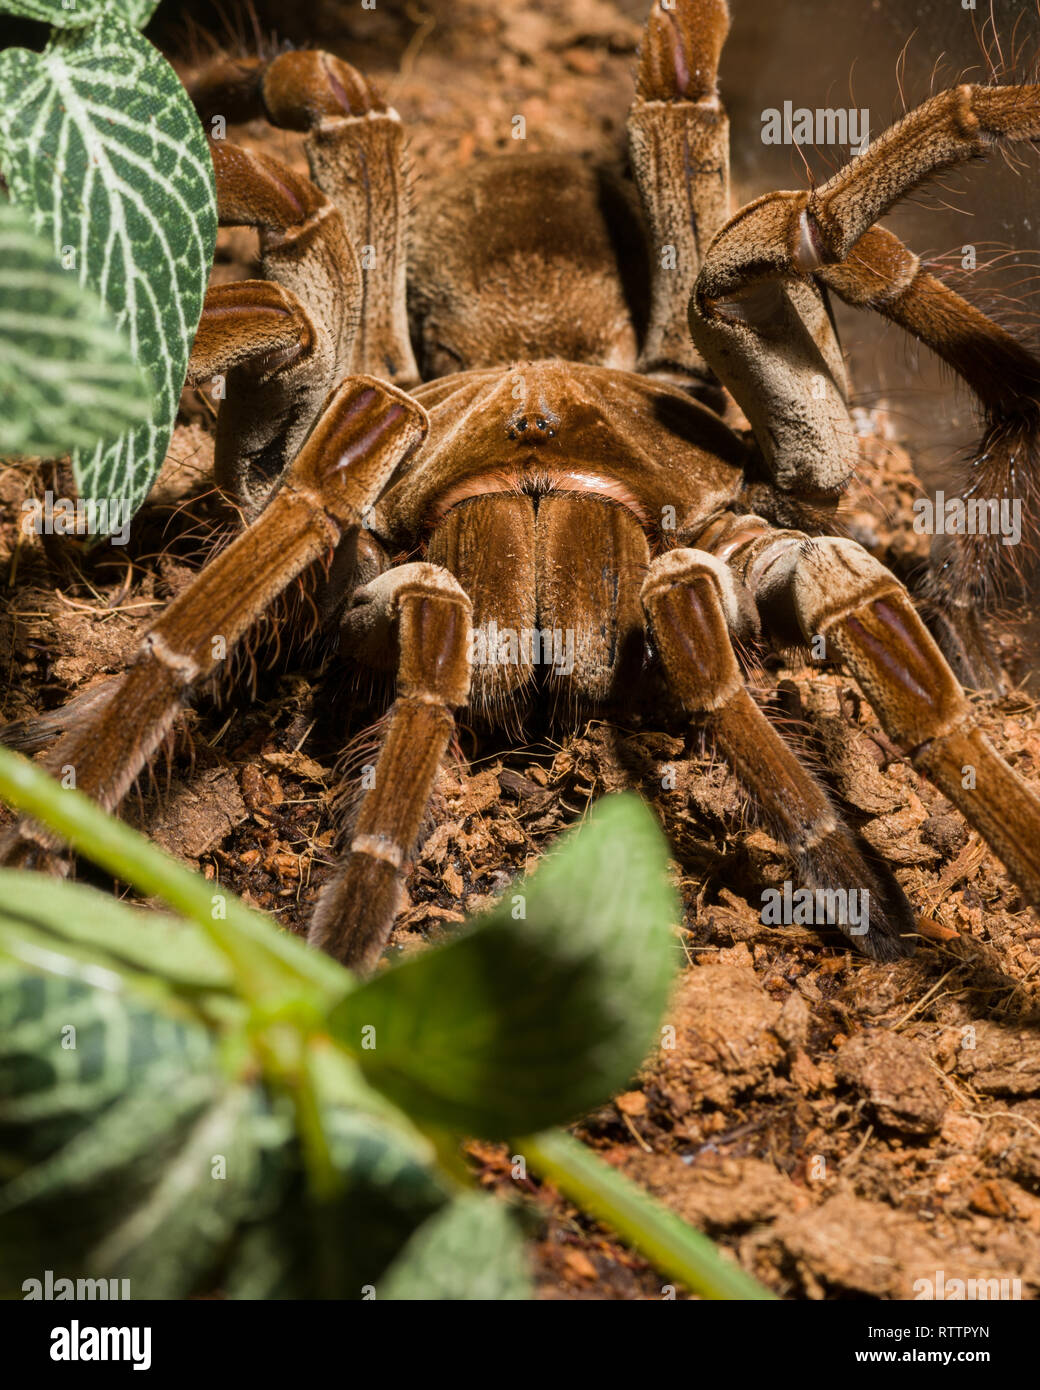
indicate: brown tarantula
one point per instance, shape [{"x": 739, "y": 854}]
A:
[{"x": 564, "y": 467}]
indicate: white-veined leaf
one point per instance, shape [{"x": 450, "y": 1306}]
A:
[
  {"x": 74, "y": 14},
  {"x": 98, "y": 138},
  {"x": 67, "y": 375}
]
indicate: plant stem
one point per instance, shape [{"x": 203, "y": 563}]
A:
[{"x": 671, "y": 1246}]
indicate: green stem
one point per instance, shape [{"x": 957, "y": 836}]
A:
[
  {"x": 260, "y": 954},
  {"x": 671, "y": 1246}
]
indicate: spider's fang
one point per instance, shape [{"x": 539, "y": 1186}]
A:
[{"x": 807, "y": 253}]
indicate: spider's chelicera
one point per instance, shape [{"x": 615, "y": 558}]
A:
[{"x": 560, "y": 461}]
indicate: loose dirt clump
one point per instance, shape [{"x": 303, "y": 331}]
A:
[
  {"x": 721, "y": 1039},
  {"x": 896, "y": 1079}
]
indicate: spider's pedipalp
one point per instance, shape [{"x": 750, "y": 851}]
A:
[{"x": 692, "y": 603}]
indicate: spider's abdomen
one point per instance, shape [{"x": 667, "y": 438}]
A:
[{"x": 528, "y": 256}]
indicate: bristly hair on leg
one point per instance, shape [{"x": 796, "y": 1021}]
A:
[
  {"x": 290, "y": 629},
  {"x": 349, "y": 786},
  {"x": 229, "y": 60},
  {"x": 998, "y": 479},
  {"x": 1003, "y": 467},
  {"x": 238, "y": 35},
  {"x": 32, "y": 735},
  {"x": 358, "y": 757}
]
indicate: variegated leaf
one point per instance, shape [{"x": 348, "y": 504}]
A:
[
  {"x": 472, "y": 1249},
  {"x": 110, "y": 1116},
  {"x": 128, "y": 1151},
  {"x": 98, "y": 138},
  {"x": 67, "y": 375},
  {"x": 73, "y": 14}
]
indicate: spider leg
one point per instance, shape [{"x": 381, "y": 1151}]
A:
[
  {"x": 692, "y": 604},
  {"x": 833, "y": 588},
  {"x": 283, "y": 341},
  {"x": 256, "y": 325},
  {"x": 790, "y": 243},
  {"x": 355, "y": 148},
  {"x": 365, "y": 432},
  {"x": 882, "y": 274},
  {"x": 419, "y": 616},
  {"x": 795, "y": 233},
  {"x": 678, "y": 136},
  {"x": 262, "y": 341}
]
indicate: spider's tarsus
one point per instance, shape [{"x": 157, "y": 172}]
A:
[
  {"x": 681, "y": 48},
  {"x": 886, "y": 925}
]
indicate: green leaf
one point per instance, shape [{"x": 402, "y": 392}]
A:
[
  {"x": 99, "y": 140},
  {"x": 110, "y": 1117},
  {"x": 74, "y": 14},
  {"x": 67, "y": 375},
  {"x": 109, "y": 933},
  {"x": 121, "y": 1085},
  {"x": 265, "y": 960},
  {"x": 527, "y": 1021},
  {"x": 69, "y": 1049},
  {"x": 471, "y": 1249},
  {"x": 94, "y": 1119},
  {"x": 337, "y": 1248},
  {"x": 215, "y": 1177}
]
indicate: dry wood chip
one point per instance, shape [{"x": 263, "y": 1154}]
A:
[{"x": 299, "y": 764}]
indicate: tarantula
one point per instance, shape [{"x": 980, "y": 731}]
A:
[{"x": 564, "y": 465}]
